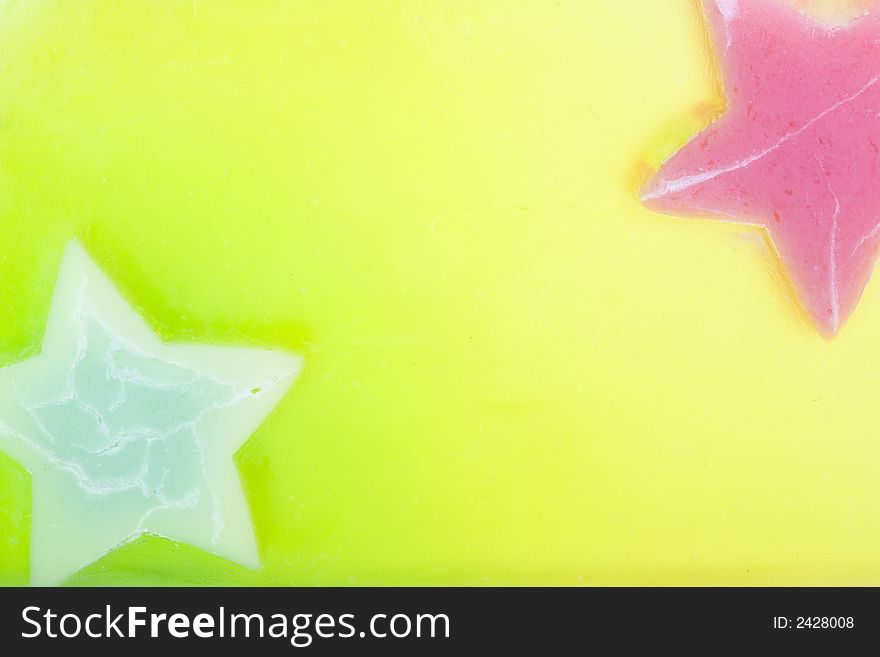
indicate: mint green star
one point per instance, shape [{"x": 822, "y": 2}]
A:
[{"x": 123, "y": 434}]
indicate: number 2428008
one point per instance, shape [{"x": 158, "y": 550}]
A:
[{"x": 824, "y": 622}]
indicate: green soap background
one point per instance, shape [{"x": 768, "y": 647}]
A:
[
  {"x": 514, "y": 373},
  {"x": 286, "y": 175}
]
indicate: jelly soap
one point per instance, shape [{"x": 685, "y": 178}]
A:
[
  {"x": 123, "y": 434},
  {"x": 797, "y": 149}
]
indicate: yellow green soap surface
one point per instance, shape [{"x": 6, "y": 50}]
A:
[{"x": 513, "y": 372}]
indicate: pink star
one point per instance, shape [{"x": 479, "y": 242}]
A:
[{"x": 797, "y": 150}]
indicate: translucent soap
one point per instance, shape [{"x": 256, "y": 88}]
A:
[
  {"x": 797, "y": 149},
  {"x": 123, "y": 434}
]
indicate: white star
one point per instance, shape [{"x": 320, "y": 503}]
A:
[{"x": 123, "y": 434}]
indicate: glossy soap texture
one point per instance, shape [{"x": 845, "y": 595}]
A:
[
  {"x": 513, "y": 372},
  {"x": 124, "y": 436},
  {"x": 797, "y": 149}
]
